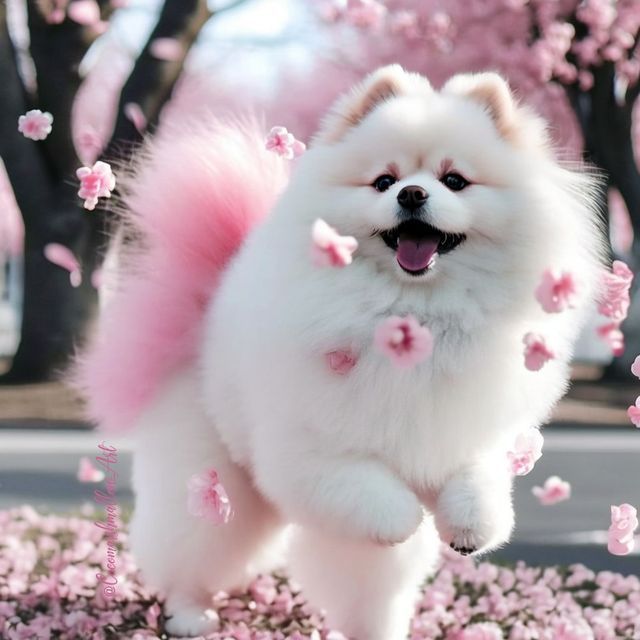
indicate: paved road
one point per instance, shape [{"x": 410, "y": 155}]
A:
[{"x": 39, "y": 467}]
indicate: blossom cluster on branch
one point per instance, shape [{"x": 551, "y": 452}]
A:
[{"x": 532, "y": 41}]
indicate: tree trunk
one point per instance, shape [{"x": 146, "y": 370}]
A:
[{"x": 607, "y": 126}]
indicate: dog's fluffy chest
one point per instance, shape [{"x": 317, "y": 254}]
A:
[{"x": 423, "y": 422}]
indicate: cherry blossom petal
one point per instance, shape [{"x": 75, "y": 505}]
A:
[
  {"x": 367, "y": 14},
  {"x": 635, "y": 367},
  {"x": 87, "y": 472},
  {"x": 634, "y": 412},
  {"x": 35, "y": 124},
  {"x": 614, "y": 302},
  {"x": 557, "y": 291},
  {"x": 207, "y": 498},
  {"x": 63, "y": 257},
  {"x": 133, "y": 112},
  {"x": 168, "y": 49},
  {"x": 553, "y": 491},
  {"x": 526, "y": 451},
  {"x": 624, "y": 522},
  {"x": 329, "y": 248},
  {"x": 56, "y": 16},
  {"x": 95, "y": 182},
  {"x": 84, "y": 12},
  {"x": 341, "y": 361},
  {"x": 403, "y": 340},
  {"x": 536, "y": 353},
  {"x": 283, "y": 143},
  {"x": 613, "y": 336}
]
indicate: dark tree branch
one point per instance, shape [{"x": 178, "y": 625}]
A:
[{"x": 152, "y": 80}]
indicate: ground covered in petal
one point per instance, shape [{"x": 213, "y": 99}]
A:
[{"x": 49, "y": 588}]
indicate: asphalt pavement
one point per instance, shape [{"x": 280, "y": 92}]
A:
[{"x": 38, "y": 466}]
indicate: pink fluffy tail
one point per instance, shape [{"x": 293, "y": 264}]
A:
[{"x": 195, "y": 194}]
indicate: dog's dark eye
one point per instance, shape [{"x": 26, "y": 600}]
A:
[
  {"x": 454, "y": 181},
  {"x": 382, "y": 183}
]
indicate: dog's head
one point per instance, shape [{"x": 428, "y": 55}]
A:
[{"x": 441, "y": 184}]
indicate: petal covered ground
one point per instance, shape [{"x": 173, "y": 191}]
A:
[{"x": 49, "y": 589}]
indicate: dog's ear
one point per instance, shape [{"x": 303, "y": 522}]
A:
[
  {"x": 378, "y": 87},
  {"x": 490, "y": 91}
]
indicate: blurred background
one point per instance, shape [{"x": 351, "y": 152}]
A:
[{"x": 112, "y": 71}]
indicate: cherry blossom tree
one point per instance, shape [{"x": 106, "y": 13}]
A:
[
  {"x": 42, "y": 72},
  {"x": 577, "y": 61}
]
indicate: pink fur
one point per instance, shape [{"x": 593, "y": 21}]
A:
[{"x": 195, "y": 194}]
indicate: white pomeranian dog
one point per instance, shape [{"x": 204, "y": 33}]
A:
[{"x": 215, "y": 349}]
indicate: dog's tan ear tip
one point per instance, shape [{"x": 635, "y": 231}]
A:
[
  {"x": 491, "y": 91},
  {"x": 383, "y": 84}
]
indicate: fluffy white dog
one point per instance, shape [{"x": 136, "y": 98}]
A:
[{"x": 459, "y": 206}]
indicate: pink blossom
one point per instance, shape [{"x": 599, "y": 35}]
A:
[
  {"x": 168, "y": 49},
  {"x": 263, "y": 589},
  {"x": 341, "y": 361},
  {"x": 284, "y": 143},
  {"x": 403, "y": 340},
  {"x": 87, "y": 472},
  {"x": 536, "y": 352},
  {"x": 207, "y": 498},
  {"x": 84, "y": 12},
  {"x": 634, "y": 412},
  {"x": 133, "y": 112},
  {"x": 527, "y": 450},
  {"x": 35, "y": 124},
  {"x": 95, "y": 182},
  {"x": 153, "y": 615},
  {"x": 61, "y": 256},
  {"x": 554, "y": 490},
  {"x": 624, "y": 521},
  {"x": 557, "y": 291},
  {"x": 635, "y": 367},
  {"x": 613, "y": 336},
  {"x": 367, "y": 14},
  {"x": 405, "y": 23},
  {"x": 615, "y": 300},
  {"x": 329, "y": 248}
]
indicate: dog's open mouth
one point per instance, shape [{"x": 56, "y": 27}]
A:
[{"x": 417, "y": 244}]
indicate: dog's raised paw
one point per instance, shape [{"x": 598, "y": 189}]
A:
[{"x": 464, "y": 542}]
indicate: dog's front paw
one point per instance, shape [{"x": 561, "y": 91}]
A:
[
  {"x": 473, "y": 519},
  {"x": 395, "y": 518},
  {"x": 464, "y": 541}
]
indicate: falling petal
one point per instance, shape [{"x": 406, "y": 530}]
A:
[
  {"x": 87, "y": 472},
  {"x": 84, "y": 12},
  {"x": 168, "y": 49},
  {"x": 329, "y": 248},
  {"x": 62, "y": 257},
  {"x": 35, "y": 124},
  {"x": 135, "y": 115}
]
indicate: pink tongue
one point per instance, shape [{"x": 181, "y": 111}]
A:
[{"x": 415, "y": 254}]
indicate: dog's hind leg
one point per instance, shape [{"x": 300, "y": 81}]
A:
[
  {"x": 187, "y": 558},
  {"x": 368, "y": 590}
]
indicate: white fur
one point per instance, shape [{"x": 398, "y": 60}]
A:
[{"x": 355, "y": 460}]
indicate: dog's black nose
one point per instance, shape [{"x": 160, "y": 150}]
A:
[{"x": 412, "y": 197}]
